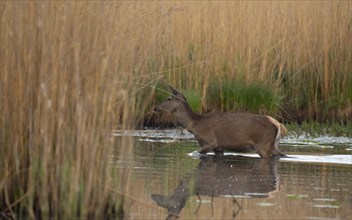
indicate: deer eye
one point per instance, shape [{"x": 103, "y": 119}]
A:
[{"x": 169, "y": 98}]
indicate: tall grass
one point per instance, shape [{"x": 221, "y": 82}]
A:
[{"x": 72, "y": 71}]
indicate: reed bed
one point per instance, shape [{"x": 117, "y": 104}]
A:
[
  {"x": 298, "y": 53},
  {"x": 59, "y": 102},
  {"x": 73, "y": 71}
]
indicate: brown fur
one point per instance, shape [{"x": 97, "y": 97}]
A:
[{"x": 239, "y": 132}]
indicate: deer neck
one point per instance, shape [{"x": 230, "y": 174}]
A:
[{"x": 186, "y": 117}]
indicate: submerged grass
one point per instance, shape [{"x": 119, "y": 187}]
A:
[{"x": 73, "y": 71}]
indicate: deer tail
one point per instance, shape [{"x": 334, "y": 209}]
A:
[{"x": 281, "y": 131}]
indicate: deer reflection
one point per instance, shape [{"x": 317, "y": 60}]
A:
[{"x": 226, "y": 176}]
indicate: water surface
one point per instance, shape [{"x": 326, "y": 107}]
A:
[{"x": 164, "y": 181}]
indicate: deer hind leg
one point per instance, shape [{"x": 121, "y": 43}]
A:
[
  {"x": 276, "y": 151},
  {"x": 263, "y": 151}
]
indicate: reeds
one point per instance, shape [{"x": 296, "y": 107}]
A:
[
  {"x": 72, "y": 71},
  {"x": 298, "y": 49},
  {"x": 59, "y": 102}
]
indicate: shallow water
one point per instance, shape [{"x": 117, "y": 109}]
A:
[{"x": 164, "y": 180}]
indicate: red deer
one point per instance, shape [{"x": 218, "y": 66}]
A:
[{"x": 219, "y": 131}]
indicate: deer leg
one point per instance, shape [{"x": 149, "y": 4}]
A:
[
  {"x": 219, "y": 152},
  {"x": 277, "y": 153},
  {"x": 262, "y": 152},
  {"x": 206, "y": 148}
]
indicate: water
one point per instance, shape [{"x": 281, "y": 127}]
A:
[{"x": 165, "y": 181}]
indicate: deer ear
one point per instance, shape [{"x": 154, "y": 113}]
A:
[
  {"x": 174, "y": 91},
  {"x": 178, "y": 94}
]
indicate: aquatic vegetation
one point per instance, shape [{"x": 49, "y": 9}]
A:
[
  {"x": 295, "y": 196},
  {"x": 335, "y": 204},
  {"x": 316, "y": 129}
]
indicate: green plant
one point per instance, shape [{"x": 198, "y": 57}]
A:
[
  {"x": 237, "y": 95},
  {"x": 194, "y": 99}
]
